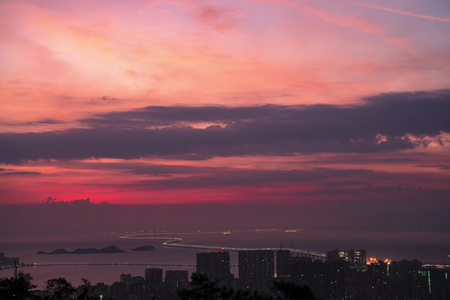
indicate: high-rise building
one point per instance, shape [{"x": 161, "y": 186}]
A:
[
  {"x": 154, "y": 276},
  {"x": 284, "y": 262},
  {"x": 356, "y": 258},
  {"x": 335, "y": 275},
  {"x": 404, "y": 279},
  {"x": 176, "y": 278},
  {"x": 301, "y": 270},
  {"x": 125, "y": 278},
  {"x": 256, "y": 265},
  {"x": 216, "y": 265},
  {"x": 377, "y": 279},
  {"x": 436, "y": 282},
  {"x": 8, "y": 261},
  {"x": 338, "y": 255}
]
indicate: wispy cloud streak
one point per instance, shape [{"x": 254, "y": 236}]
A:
[{"x": 396, "y": 11}]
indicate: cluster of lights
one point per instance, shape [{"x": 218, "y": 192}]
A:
[{"x": 373, "y": 260}]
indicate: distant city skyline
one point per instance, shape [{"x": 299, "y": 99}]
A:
[{"x": 342, "y": 276}]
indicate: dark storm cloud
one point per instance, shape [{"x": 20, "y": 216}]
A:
[
  {"x": 372, "y": 190},
  {"x": 144, "y": 169},
  {"x": 344, "y": 183},
  {"x": 382, "y": 123},
  {"x": 34, "y": 123},
  {"x": 442, "y": 167},
  {"x": 201, "y": 176},
  {"x": 389, "y": 114},
  {"x": 20, "y": 173},
  {"x": 166, "y": 116},
  {"x": 228, "y": 177},
  {"x": 11, "y": 172},
  {"x": 46, "y": 121}
]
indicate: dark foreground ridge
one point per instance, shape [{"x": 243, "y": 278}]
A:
[{"x": 109, "y": 249}]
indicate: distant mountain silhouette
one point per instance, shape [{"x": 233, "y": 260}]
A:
[
  {"x": 56, "y": 251},
  {"x": 144, "y": 248},
  {"x": 109, "y": 249}
]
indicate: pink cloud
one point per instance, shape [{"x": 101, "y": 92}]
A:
[
  {"x": 396, "y": 11},
  {"x": 56, "y": 59},
  {"x": 218, "y": 18},
  {"x": 348, "y": 22}
]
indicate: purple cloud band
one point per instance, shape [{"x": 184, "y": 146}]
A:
[{"x": 268, "y": 129}]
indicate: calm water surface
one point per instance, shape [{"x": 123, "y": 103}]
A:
[{"x": 427, "y": 247}]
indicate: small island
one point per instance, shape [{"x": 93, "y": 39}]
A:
[
  {"x": 109, "y": 249},
  {"x": 56, "y": 251},
  {"x": 144, "y": 248}
]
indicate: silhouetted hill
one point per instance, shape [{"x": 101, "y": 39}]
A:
[
  {"x": 144, "y": 248},
  {"x": 56, "y": 251},
  {"x": 109, "y": 249}
]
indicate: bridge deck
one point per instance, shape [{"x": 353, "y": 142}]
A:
[{"x": 174, "y": 242}]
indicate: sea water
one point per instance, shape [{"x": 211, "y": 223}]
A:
[{"x": 424, "y": 246}]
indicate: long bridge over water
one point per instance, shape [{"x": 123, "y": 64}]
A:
[
  {"x": 176, "y": 242},
  {"x": 115, "y": 264}
]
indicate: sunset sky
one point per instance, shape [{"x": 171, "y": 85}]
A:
[{"x": 177, "y": 101}]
